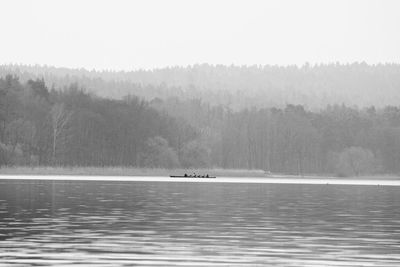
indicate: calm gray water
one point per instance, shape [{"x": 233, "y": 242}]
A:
[{"x": 105, "y": 223}]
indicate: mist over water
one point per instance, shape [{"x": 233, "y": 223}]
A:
[{"x": 108, "y": 223}]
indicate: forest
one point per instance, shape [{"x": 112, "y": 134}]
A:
[
  {"x": 44, "y": 123},
  {"x": 236, "y": 87}
]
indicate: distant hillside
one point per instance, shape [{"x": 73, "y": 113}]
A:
[{"x": 236, "y": 87}]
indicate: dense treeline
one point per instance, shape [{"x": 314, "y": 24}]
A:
[
  {"x": 70, "y": 127},
  {"x": 237, "y": 87},
  {"x": 337, "y": 140}
]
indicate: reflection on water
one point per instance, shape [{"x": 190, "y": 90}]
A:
[{"x": 104, "y": 223}]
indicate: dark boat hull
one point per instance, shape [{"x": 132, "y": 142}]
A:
[{"x": 181, "y": 176}]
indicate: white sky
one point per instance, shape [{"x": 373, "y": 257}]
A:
[{"x": 133, "y": 34}]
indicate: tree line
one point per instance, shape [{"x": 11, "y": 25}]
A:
[
  {"x": 338, "y": 139},
  {"x": 236, "y": 87},
  {"x": 71, "y": 127},
  {"x": 39, "y": 126}
]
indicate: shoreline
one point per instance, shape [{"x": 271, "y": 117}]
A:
[
  {"x": 158, "y": 172},
  {"x": 236, "y": 180}
]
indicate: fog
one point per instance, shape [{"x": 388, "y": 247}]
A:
[
  {"x": 128, "y": 35},
  {"x": 200, "y": 132}
]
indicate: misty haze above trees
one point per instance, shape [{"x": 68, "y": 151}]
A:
[{"x": 236, "y": 87}]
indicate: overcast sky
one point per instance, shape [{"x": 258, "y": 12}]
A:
[{"x": 146, "y": 34}]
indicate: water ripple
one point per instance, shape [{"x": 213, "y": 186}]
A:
[{"x": 103, "y": 223}]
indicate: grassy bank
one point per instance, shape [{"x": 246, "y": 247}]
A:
[{"x": 125, "y": 171}]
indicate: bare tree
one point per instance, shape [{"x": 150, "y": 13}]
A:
[
  {"x": 59, "y": 118},
  {"x": 356, "y": 161}
]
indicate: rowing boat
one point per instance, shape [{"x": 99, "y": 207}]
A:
[{"x": 188, "y": 176}]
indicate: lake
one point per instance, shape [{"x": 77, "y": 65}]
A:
[{"x": 158, "y": 223}]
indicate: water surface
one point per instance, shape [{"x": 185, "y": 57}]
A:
[{"x": 128, "y": 223}]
